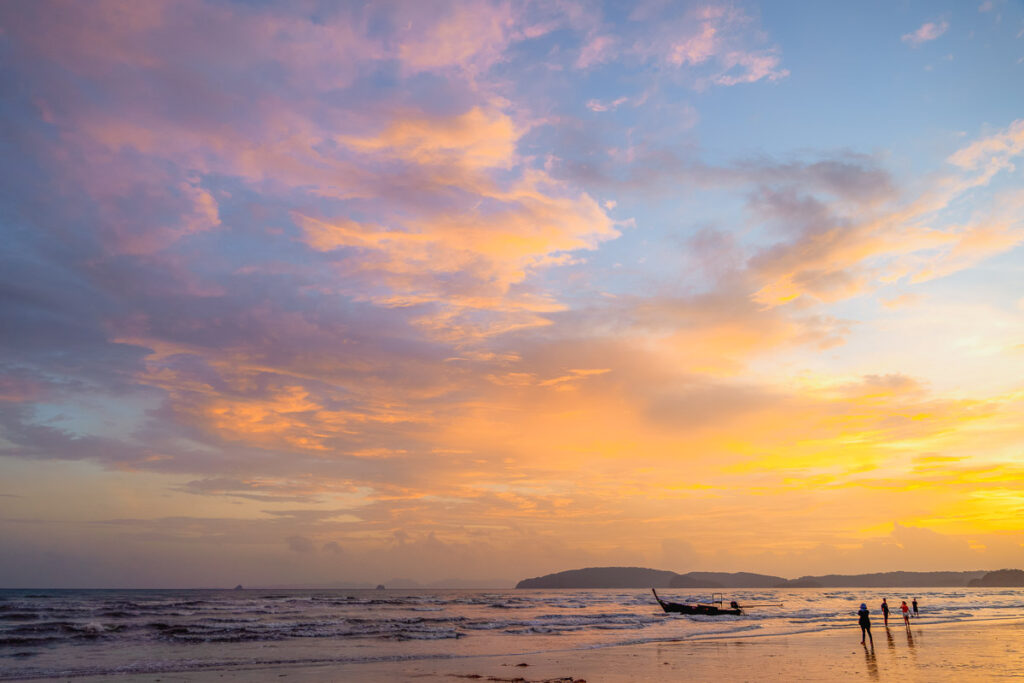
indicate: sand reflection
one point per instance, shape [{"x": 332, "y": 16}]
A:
[
  {"x": 910, "y": 644},
  {"x": 871, "y": 661}
]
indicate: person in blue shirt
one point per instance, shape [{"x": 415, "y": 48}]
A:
[{"x": 865, "y": 624}]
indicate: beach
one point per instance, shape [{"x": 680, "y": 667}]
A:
[{"x": 984, "y": 650}]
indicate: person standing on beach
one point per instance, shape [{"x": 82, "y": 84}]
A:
[
  {"x": 865, "y": 624},
  {"x": 906, "y": 613},
  {"x": 885, "y": 612},
  {"x": 914, "y": 603}
]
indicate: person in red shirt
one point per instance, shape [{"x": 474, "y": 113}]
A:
[{"x": 906, "y": 613}]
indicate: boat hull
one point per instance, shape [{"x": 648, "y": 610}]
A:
[
  {"x": 707, "y": 610},
  {"x": 699, "y": 608}
]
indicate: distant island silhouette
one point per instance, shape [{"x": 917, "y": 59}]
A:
[{"x": 640, "y": 577}]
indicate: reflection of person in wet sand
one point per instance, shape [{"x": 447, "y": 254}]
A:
[
  {"x": 865, "y": 624},
  {"x": 906, "y": 613},
  {"x": 888, "y": 636},
  {"x": 871, "y": 661},
  {"x": 885, "y": 612},
  {"x": 910, "y": 646}
]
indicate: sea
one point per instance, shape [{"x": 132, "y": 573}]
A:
[{"x": 68, "y": 633}]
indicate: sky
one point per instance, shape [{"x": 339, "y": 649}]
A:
[{"x": 319, "y": 293}]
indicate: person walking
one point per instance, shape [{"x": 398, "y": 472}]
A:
[
  {"x": 865, "y": 624},
  {"x": 906, "y": 613},
  {"x": 914, "y": 604},
  {"x": 885, "y": 612}
]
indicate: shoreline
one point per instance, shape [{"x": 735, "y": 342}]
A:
[{"x": 989, "y": 649}]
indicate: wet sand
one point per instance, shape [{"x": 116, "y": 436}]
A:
[{"x": 961, "y": 651}]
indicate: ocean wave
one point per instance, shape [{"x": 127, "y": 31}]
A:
[
  {"x": 63, "y": 627},
  {"x": 27, "y": 641},
  {"x": 557, "y": 623},
  {"x": 120, "y": 613},
  {"x": 394, "y": 629},
  {"x": 19, "y": 616},
  {"x": 728, "y": 631}
]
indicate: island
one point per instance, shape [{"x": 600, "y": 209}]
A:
[
  {"x": 1003, "y": 578},
  {"x": 641, "y": 577}
]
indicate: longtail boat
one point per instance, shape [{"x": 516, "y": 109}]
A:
[{"x": 709, "y": 609}]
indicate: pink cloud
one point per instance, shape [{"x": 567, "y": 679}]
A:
[
  {"x": 20, "y": 389},
  {"x": 696, "y": 49},
  {"x": 596, "y": 51},
  {"x": 150, "y": 154},
  {"x": 930, "y": 30},
  {"x": 719, "y": 45},
  {"x": 746, "y": 67},
  {"x": 470, "y": 36},
  {"x": 598, "y": 106}
]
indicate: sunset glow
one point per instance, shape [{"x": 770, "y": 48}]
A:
[{"x": 338, "y": 293}]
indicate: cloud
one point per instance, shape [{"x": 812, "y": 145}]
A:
[
  {"x": 445, "y": 257},
  {"x": 743, "y": 67},
  {"x": 268, "y": 490},
  {"x": 598, "y": 106},
  {"x": 300, "y": 544},
  {"x": 468, "y": 36},
  {"x": 654, "y": 170},
  {"x": 477, "y": 139},
  {"x": 992, "y": 153},
  {"x": 928, "y": 31},
  {"x": 840, "y": 227},
  {"x": 697, "y": 48},
  {"x": 596, "y": 51},
  {"x": 841, "y": 253},
  {"x": 719, "y": 44}
]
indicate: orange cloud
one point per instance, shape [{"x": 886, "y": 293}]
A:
[
  {"x": 492, "y": 238},
  {"x": 992, "y": 152},
  {"x": 477, "y": 139},
  {"x": 868, "y": 248}
]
